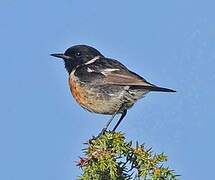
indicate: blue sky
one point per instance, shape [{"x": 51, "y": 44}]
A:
[{"x": 170, "y": 43}]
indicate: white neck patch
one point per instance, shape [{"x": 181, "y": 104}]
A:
[{"x": 92, "y": 60}]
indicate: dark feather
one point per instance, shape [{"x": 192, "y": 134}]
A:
[
  {"x": 119, "y": 76},
  {"x": 154, "y": 88}
]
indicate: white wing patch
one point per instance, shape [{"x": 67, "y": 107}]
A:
[
  {"x": 106, "y": 71},
  {"x": 89, "y": 70},
  {"x": 110, "y": 70}
]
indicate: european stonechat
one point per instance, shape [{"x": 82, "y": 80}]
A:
[{"x": 103, "y": 85}]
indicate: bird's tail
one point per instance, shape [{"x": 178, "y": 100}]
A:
[
  {"x": 161, "y": 89},
  {"x": 156, "y": 88}
]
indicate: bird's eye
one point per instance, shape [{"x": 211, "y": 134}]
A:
[{"x": 78, "y": 54}]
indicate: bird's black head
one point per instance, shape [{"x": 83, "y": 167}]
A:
[{"x": 77, "y": 55}]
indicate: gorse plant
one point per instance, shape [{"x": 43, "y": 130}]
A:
[{"x": 110, "y": 157}]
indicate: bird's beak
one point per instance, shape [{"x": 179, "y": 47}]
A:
[{"x": 60, "y": 55}]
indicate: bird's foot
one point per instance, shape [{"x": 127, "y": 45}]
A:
[{"x": 103, "y": 131}]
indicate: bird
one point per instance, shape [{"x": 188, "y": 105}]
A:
[{"x": 103, "y": 85}]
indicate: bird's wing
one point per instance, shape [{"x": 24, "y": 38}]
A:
[
  {"x": 113, "y": 72},
  {"x": 126, "y": 78},
  {"x": 109, "y": 71}
]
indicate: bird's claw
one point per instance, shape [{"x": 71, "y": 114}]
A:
[{"x": 103, "y": 131}]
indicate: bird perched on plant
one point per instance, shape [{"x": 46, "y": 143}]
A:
[{"x": 103, "y": 85}]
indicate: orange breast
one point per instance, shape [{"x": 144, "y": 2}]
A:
[
  {"x": 92, "y": 99},
  {"x": 78, "y": 91}
]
